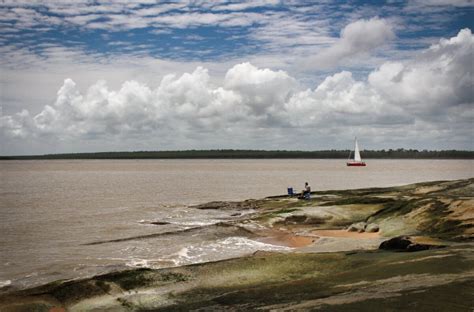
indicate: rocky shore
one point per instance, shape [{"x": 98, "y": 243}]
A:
[{"x": 397, "y": 248}]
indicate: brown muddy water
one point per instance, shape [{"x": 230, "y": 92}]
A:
[{"x": 59, "y": 218}]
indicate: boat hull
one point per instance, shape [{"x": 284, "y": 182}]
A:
[{"x": 356, "y": 164}]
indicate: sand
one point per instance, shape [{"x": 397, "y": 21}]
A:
[
  {"x": 286, "y": 238},
  {"x": 290, "y": 239},
  {"x": 296, "y": 241}
]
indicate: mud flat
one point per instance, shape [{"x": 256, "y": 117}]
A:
[{"x": 399, "y": 248}]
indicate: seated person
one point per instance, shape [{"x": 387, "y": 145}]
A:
[{"x": 305, "y": 194}]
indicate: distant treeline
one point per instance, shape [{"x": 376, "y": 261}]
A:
[{"x": 229, "y": 153}]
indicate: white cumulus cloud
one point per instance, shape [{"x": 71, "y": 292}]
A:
[
  {"x": 357, "y": 38},
  {"x": 440, "y": 78},
  {"x": 428, "y": 98}
]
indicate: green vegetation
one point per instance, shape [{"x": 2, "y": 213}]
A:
[{"x": 259, "y": 154}]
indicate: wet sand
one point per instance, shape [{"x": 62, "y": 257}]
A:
[
  {"x": 293, "y": 240},
  {"x": 285, "y": 238},
  {"x": 290, "y": 240}
]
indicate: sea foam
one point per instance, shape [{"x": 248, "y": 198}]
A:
[{"x": 5, "y": 283}]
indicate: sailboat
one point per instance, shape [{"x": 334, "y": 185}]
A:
[{"x": 356, "y": 161}]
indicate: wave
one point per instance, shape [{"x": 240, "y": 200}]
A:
[
  {"x": 206, "y": 251},
  {"x": 5, "y": 283}
]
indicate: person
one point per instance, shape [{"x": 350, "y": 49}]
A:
[{"x": 305, "y": 194}]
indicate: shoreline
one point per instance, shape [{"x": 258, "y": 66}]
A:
[
  {"x": 335, "y": 240},
  {"x": 399, "y": 153}
]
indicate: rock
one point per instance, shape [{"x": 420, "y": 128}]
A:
[
  {"x": 352, "y": 228},
  {"x": 396, "y": 243},
  {"x": 295, "y": 219},
  {"x": 223, "y": 205},
  {"x": 357, "y": 227},
  {"x": 372, "y": 228},
  {"x": 159, "y": 223},
  {"x": 406, "y": 243},
  {"x": 419, "y": 247}
]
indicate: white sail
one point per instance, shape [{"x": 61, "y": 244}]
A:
[{"x": 356, "y": 152}]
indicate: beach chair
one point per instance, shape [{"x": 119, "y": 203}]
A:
[
  {"x": 307, "y": 195},
  {"x": 290, "y": 192}
]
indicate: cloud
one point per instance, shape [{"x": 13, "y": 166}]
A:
[
  {"x": 232, "y": 30},
  {"x": 262, "y": 90},
  {"x": 287, "y": 31},
  {"x": 188, "y": 100},
  {"x": 241, "y": 6},
  {"x": 459, "y": 3},
  {"x": 427, "y": 98},
  {"x": 439, "y": 78},
  {"x": 117, "y": 16},
  {"x": 357, "y": 38},
  {"x": 432, "y": 88},
  {"x": 272, "y": 25}
]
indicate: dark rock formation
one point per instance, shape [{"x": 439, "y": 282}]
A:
[
  {"x": 406, "y": 243},
  {"x": 159, "y": 223},
  {"x": 223, "y": 205}
]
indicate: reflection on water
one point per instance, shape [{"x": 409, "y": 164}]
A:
[{"x": 52, "y": 210}]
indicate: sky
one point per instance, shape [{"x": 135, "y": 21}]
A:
[{"x": 89, "y": 76}]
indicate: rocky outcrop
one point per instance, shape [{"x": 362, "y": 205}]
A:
[
  {"x": 355, "y": 281},
  {"x": 351, "y": 280},
  {"x": 437, "y": 209},
  {"x": 406, "y": 243}
]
